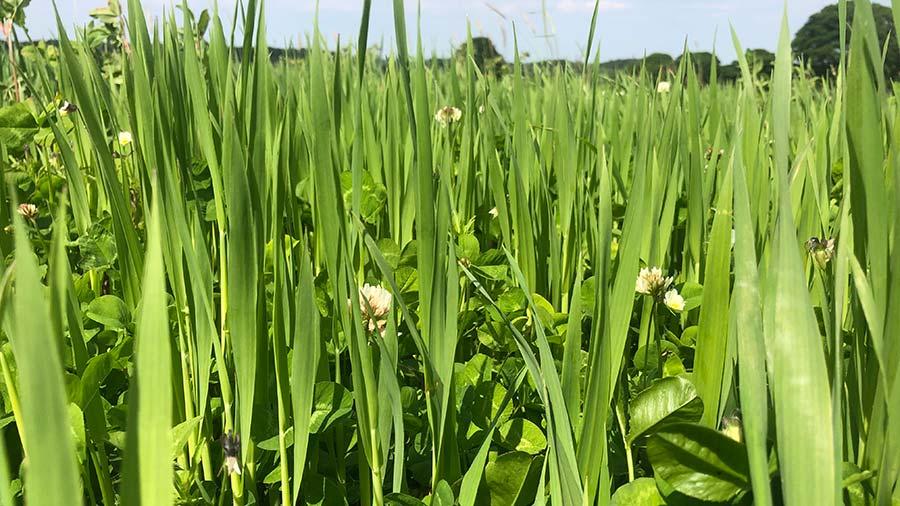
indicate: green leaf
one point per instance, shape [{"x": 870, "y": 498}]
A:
[
  {"x": 443, "y": 495},
  {"x": 668, "y": 401},
  {"x": 331, "y": 402},
  {"x": 699, "y": 462},
  {"x": 271, "y": 444},
  {"x": 640, "y": 492},
  {"x": 398, "y": 499},
  {"x": 181, "y": 433},
  {"x": 96, "y": 371},
  {"x": 109, "y": 310},
  {"x": 522, "y": 435},
  {"x": 511, "y": 478},
  {"x": 18, "y": 126}
]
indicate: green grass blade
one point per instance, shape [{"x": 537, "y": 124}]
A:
[
  {"x": 149, "y": 469},
  {"x": 51, "y": 476},
  {"x": 800, "y": 385},
  {"x": 748, "y": 332}
]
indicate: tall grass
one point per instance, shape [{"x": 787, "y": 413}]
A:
[{"x": 183, "y": 310}]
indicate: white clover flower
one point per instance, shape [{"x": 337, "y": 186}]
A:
[
  {"x": 494, "y": 212},
  {"x": 674, "y": 301},
  {"x": 374, "y": 304},
  {"x": 447, "y": 115},
  {"x": 27, "y": 211},
  {"x": 651, "y": 282},
  {"x": 125, "y": 138},
  {"x": 663, "y": 87},
  {"x": 481, "y": 109}
]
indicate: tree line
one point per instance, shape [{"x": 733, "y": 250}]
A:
[{"x": 816, "y": 46}]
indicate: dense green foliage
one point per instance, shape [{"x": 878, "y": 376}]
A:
[
  {"x": 342, "y": 281},
  {"x": 818, "y": 41}
]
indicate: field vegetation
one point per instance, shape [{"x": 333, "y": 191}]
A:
[{"x": 334, "y": 280}]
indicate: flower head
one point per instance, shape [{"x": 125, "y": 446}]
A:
[
  {"x": 719, "y": 154},
  {"x": 663, "y": 87},
  {"x": 494, "y": 212},
  {"x": 447, "y": 115},
  {"x": 231, "y": 448},
  {"x": 374, "y": 304},
  {"x": 732, "y": 427},
  {"x": 652, "y": 282},
  {"x": 27, "y": 211},
  {"x": 674, "y": 301},
  {"x": 125, "y": 138},
  {"x": 822, "y": 250},
  {"x": 67, "y": 108}
]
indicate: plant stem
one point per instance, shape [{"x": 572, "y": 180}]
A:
[
  {"x": 620, "y": 417},
  {"x": 7, "y": 32}
]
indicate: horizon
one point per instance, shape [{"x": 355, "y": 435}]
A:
[{"x": 558, "y": 31}]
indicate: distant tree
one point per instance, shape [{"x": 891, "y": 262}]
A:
[
  {"x": 818, "y": 42},
  {"x": 729, "y": 73},
  {"x": 486, "y": 56},
  {"x": 658, "y": 62},
  {"x": 761, "y": 61},
  {"x": 702, "y": 62}
]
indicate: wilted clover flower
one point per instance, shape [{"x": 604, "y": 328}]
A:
[
  {"x": 663, "y": 87},
  {"x": 732, "y": 426},
  {"x": 374, "y": 304},
  {"x": 709, "y": 153},
  {"x": 67, "y": 108},
  {"x": 125, "y": 138},
  {"x": 231, "y": 448},
  {"x": 822, "y": 250},
  {"x": 651, "y": 282},
  {"x": 27, "y": 211},
  {"x": 447, "y": 115},
  {"x": 674, "y": 301}
]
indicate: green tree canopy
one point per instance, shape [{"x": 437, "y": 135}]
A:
[
  {"x": 703, "y": 62},
  {"x": 485, "y": 54},
  {"x": 818, "y": 41}
]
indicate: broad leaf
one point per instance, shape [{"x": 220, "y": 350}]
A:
[
  {"x": 699, "y": 462},
  {"x": 668, "y": 401}
]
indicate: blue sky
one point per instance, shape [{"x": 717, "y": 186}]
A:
[{"x": 626, "y": 28}]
